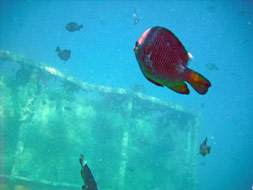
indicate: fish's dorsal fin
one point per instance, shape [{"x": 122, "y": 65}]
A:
[{"x": 58, "y": 49}]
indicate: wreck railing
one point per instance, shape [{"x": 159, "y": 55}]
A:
[{"x": 134, "y": 110}]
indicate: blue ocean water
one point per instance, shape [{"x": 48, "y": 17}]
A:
[{"x": 214, "y": 32}]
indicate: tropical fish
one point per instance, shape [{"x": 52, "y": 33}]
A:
[
  {"x": 163, "y": 61},
  {"x": 204, "y": 149},
  {"x": 72, "y": 26},
  {"x": 88, "y": 179},
  {"x": 63, "y": 54}
]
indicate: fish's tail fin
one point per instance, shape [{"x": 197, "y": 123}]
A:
[
  {"x": 58, "y": 50},
  {"x": 208, "y": 148},
  {"x": 197, "y": 81},
  {"x": 80, "y": 26}
]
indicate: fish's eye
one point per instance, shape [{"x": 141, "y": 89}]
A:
[{"x": 137, "y": 44}]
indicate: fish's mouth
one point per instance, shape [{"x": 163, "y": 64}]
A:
[
  {"x": 137, "y": 44},
  {"x": 135, "y": 49},
  {"x": 141, "y": 40}
]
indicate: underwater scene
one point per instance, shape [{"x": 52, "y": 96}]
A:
[{"x": 126, "y": 95}]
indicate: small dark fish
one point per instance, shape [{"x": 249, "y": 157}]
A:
[
  {"x": 212, "y": 67},
  {"x": 72, "y": 27},
  {"x": 63, "y": 54},
  {"x": 88, "y": 179},
  {"x": 163, "y": 61},
  {"x": 204, "y": 149}
]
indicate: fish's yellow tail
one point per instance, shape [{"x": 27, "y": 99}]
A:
[{"x": 197, "y": 81}]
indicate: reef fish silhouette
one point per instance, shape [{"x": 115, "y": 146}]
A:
[
  {"x": 163, "y": 59},
  {"x": 204, "y": 149},
  {"x": 72, "y": 26},
  {"x": 88, "y": 179},
  {"x": 63, "y": 54}
]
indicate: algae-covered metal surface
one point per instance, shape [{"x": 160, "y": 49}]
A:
[{"x": 130, "y": 141}]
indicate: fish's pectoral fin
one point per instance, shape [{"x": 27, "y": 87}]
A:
[
  {"x": 197, "y": 81},
  {"x": 178, "y": 86},
  {"x": 154, "y": 82}
]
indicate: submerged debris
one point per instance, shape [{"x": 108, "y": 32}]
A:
[{"x": 119, "y": 129}]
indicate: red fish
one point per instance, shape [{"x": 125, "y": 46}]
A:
[{"x": 163, "y": 61}]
